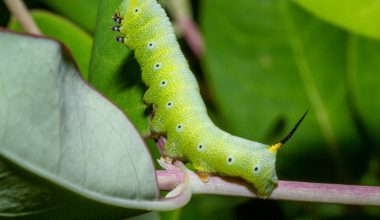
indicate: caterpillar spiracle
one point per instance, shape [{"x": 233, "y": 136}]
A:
[{"x": 180, "y": 113}]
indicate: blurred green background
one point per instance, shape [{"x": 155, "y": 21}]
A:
[{"x": 265, "y": 63}]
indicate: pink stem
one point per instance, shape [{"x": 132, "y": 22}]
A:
[
  {"x": 181, "y": 10},
  {"x": 19, "y": 10},
  {"x": 286, "y": 190},
  {"x": 329, "y": 193},
  {"x": 192, "y": 35}
]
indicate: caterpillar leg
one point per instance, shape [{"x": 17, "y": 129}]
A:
[
  {"x": 116, "y": 17},
  {"x": 120, "y": 39},
  {"x": 171, "y": 150},
  {"x": 116, "y": 28},
  {"x": 161, "y": 144},
  {"x": 203, "y": 176}
]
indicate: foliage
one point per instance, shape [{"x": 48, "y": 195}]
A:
[
  {"x": 265, "y": 62},
  {"x": 80, "y": 141}
]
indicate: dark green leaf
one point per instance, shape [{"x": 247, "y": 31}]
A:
[
  {"x": 364, "y": 79},
  {"x": 26, "y": 196},
  {"x": 82, "y": 12},
  {"x": 114, "y": 72}
]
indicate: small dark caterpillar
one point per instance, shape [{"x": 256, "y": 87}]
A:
[{"x": 181, "y": 114}]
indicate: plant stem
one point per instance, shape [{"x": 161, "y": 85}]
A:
[
  {"x": 19, "y": 10},
  {"x": 286, "y": 190}
]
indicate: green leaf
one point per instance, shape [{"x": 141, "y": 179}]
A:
[
  {"x": 26, "y": 196},
  {"x": 55, "y": 126},
  {"x": 363, "y": 76},
  {"x": 78, "y": 41},
  {"x": 114, "y": 72},
  {"x": 278, "y": 62},
  {"x": 358, "y": 16},
  {"x": 81, "y": 12}
]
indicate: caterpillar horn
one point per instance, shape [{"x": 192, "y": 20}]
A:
[{"x": 274, "y": 147}]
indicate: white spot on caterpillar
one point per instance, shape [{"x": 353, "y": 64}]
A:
[
  {"x": 157, "y": 66},
  {"x": 201, "y": 147},
  {"x": 169, "y": 104},
  {"x": 179, "y": 128},
  {"x": 163, "y": 83},
  {"x": 230, "y": 160},
  {"x": 151, "y": 45}
]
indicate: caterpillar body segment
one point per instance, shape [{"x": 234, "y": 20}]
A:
[{"x": 181, "y": 114}]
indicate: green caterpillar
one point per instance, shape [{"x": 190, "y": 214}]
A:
[{"x": 180, "y": 113}]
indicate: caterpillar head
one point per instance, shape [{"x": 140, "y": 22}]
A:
[{"x": 261, "y": 172}]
